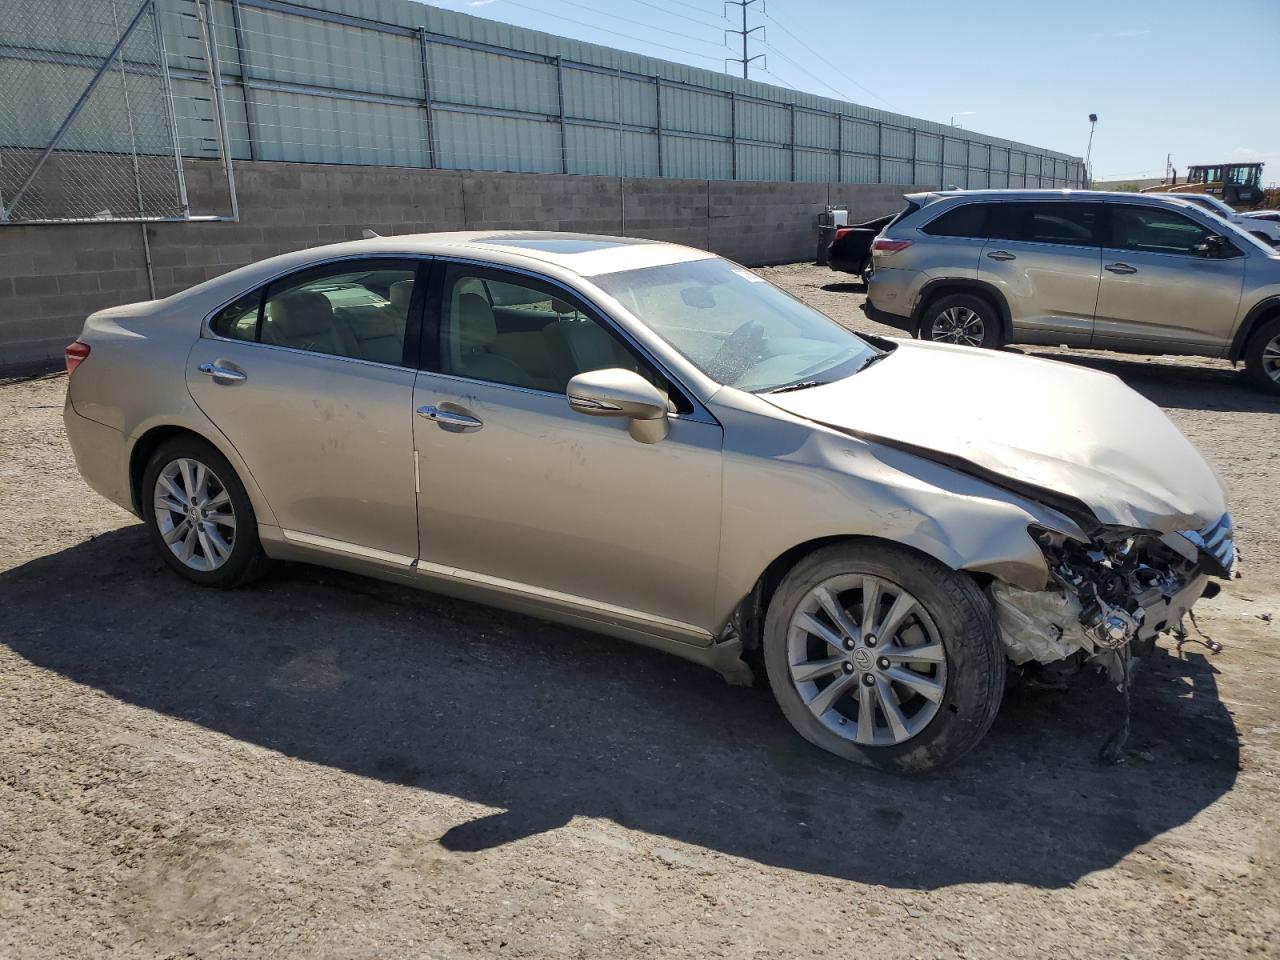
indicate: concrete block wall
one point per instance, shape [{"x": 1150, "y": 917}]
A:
[{"x": 54, "y": 275}]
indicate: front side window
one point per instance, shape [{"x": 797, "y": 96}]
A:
[
  {"x": 357, "y": 309},
  {"x": 1155, "y": 230},
  {"x": 1052, "y": 221},
  {"x": 736, "y": 327},
  {"x": 967, "y": 220},
  {"x": 518, "y": 331}
]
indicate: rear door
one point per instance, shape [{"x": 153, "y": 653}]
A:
[
  {"x": 1158, "y": 291},
  {"x": 1045, "y": 257},
  {"x": 307, "y": 378}
]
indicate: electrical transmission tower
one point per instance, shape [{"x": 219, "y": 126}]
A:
[{"x": 744, "y": 33}]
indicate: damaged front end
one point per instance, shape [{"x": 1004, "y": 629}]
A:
[{"x": 1110, "y": 597}]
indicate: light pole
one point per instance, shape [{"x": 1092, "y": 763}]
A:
[{"x": 1093, "y": 122}]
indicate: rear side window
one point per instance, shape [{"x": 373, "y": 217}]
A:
[
  {"x": 1050, "y": 221},
  {"x": 966, "y": 220}
]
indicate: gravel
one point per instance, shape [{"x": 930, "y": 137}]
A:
[{"x": 322, "y": 765}]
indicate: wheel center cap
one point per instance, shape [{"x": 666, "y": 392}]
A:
[{"x": 862, "y": 658}]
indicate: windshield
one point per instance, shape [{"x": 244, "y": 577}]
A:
[{"x": 736, "y": 327}]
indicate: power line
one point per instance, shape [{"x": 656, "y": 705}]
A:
[
  {"x": 825, "y": 61},
  {"x": 840, "y": 95},
  {"x": 683, "y": 16},
  {"x": 613, "y": 33},
  {"x": 641, "y": 23}
]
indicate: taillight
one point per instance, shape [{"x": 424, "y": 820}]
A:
[
  {"x": 76, "y": 354},
  {"x": 841, "y": 231},
  {"x": 889, "y": 247}
]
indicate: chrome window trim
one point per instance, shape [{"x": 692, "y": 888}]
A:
[
  {"x": 207, "y": 331},
  {"x": 700, "y": 413}
]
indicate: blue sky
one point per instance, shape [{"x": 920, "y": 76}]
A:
[{"x": 1200, "y": 80}]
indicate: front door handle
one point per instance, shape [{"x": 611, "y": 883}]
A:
[
  {"x": 222, "y": 374},
  {"x": 1120, "y": 268},
  {"x": 1001, "y": 255},
  {"x": 451, "y": 418}
]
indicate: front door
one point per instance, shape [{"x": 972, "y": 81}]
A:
[
  {"x": 307, "y": 379},
  {"x": 1044, "y": 256},
  {"x": 525, "y": 495},
  {"x": 1158, "y": 291}
]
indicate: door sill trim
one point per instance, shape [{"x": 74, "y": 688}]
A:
[
  {"x": 564, "y": 601},
  {"x": 341, "y": 546}
]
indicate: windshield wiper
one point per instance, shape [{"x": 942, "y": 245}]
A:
[
  {"x": 802, "y": 385},
  {"x": 870, "y": 360}
]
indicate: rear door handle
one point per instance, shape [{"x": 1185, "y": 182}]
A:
[
  {"x": 1120, "y": 268},
  {"x": 222, "y": 374},
  {"x": 451, "y": 418},
  {"x": 1001, "y": 255}
]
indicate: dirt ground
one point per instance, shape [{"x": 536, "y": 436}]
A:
[{"x": 326, "y": 766}]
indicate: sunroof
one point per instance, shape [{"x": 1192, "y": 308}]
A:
[{"x": 583, "y": 244}]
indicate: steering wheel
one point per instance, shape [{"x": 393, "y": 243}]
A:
[{"x": 740, "y": 351}]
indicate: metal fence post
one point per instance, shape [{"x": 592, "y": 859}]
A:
[
  {"x": 432, "y": 162},
  {"x": 968, "y": 163},
  {"x": 242, "y": 55},
  {"x": 839, "y": 147},
  {"x": 209, "y": 27},
  {"x": 791, "y": 111},
  {"x": 733, "y": 135},
  {"x": 564, "y": 143},
  {"x": 657, "y": 108},
  {"x": 879, "y": 151},
  {"x": 914, "y": 134}
]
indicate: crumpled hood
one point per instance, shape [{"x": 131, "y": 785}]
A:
[{"x": 1050, "y": 425}]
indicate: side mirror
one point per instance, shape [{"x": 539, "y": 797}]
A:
[
  {"x": 621, "y": 393},
  {"x": 1211, "y": 246}
]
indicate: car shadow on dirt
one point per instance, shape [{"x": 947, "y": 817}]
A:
[
  {"x": 1173, "y": 384},
  {"x": 851, "y": 286},
  {"x": 546, "y": 723}
]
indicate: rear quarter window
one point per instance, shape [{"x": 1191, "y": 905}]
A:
[{"x": 966, "y": 220}]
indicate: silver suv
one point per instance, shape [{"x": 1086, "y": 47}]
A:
[{"x": 1089, "y": 269}]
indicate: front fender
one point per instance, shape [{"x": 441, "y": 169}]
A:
[{"x": 812, "y": 483}]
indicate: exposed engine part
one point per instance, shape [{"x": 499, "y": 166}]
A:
[{"x": 1103, "y": 596}]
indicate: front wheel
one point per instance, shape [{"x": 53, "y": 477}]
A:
[
  {"x": 961, "y": 318},
  {"x": 884, "y": 657},
  {"x": 1262, "y": 356},
  {"x": 199, "y": 515}
]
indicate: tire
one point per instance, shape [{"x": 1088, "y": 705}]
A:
[
  {"x": 227, "y": 529},
  {"x": 965, "y": 678},
  {"x": 961, "y": 318},
  {"x": 1262, "y": 356}
]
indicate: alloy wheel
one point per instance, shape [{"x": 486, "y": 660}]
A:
[
  {"x": 867, "y": 660},
  {"x": 1271, "y": 359},
  {"x": 958, "y": 325},
  {"x": 194, "y": 514}
]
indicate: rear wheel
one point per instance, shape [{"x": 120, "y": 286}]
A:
[
  {"x": 961, "y": 318},
  {"x": 199, "y": 516},
  {"x": 1262, "y": 356},
  {"x": 884, "y": 657}
]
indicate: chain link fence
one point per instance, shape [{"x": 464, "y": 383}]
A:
[{"x": 87, "y": 129}]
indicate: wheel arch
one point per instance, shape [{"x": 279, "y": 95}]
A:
[
  {"x": 945, "y": 286},
  {"x": 1259, "y": 313},
  {"x": 150, "y": 439},
  {"x": 756, "y": 604}
]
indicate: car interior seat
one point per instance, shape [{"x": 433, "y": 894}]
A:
[
  {"x": 304, "y": 320},
  {"x": 475, "y": 333}
]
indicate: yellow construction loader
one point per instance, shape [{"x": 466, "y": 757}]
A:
[{"x": 1236, "y": 184}]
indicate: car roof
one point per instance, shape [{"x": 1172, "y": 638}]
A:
[
  {"x": 582, "y": 253},
  {"x": 1112, "y": 196}
]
